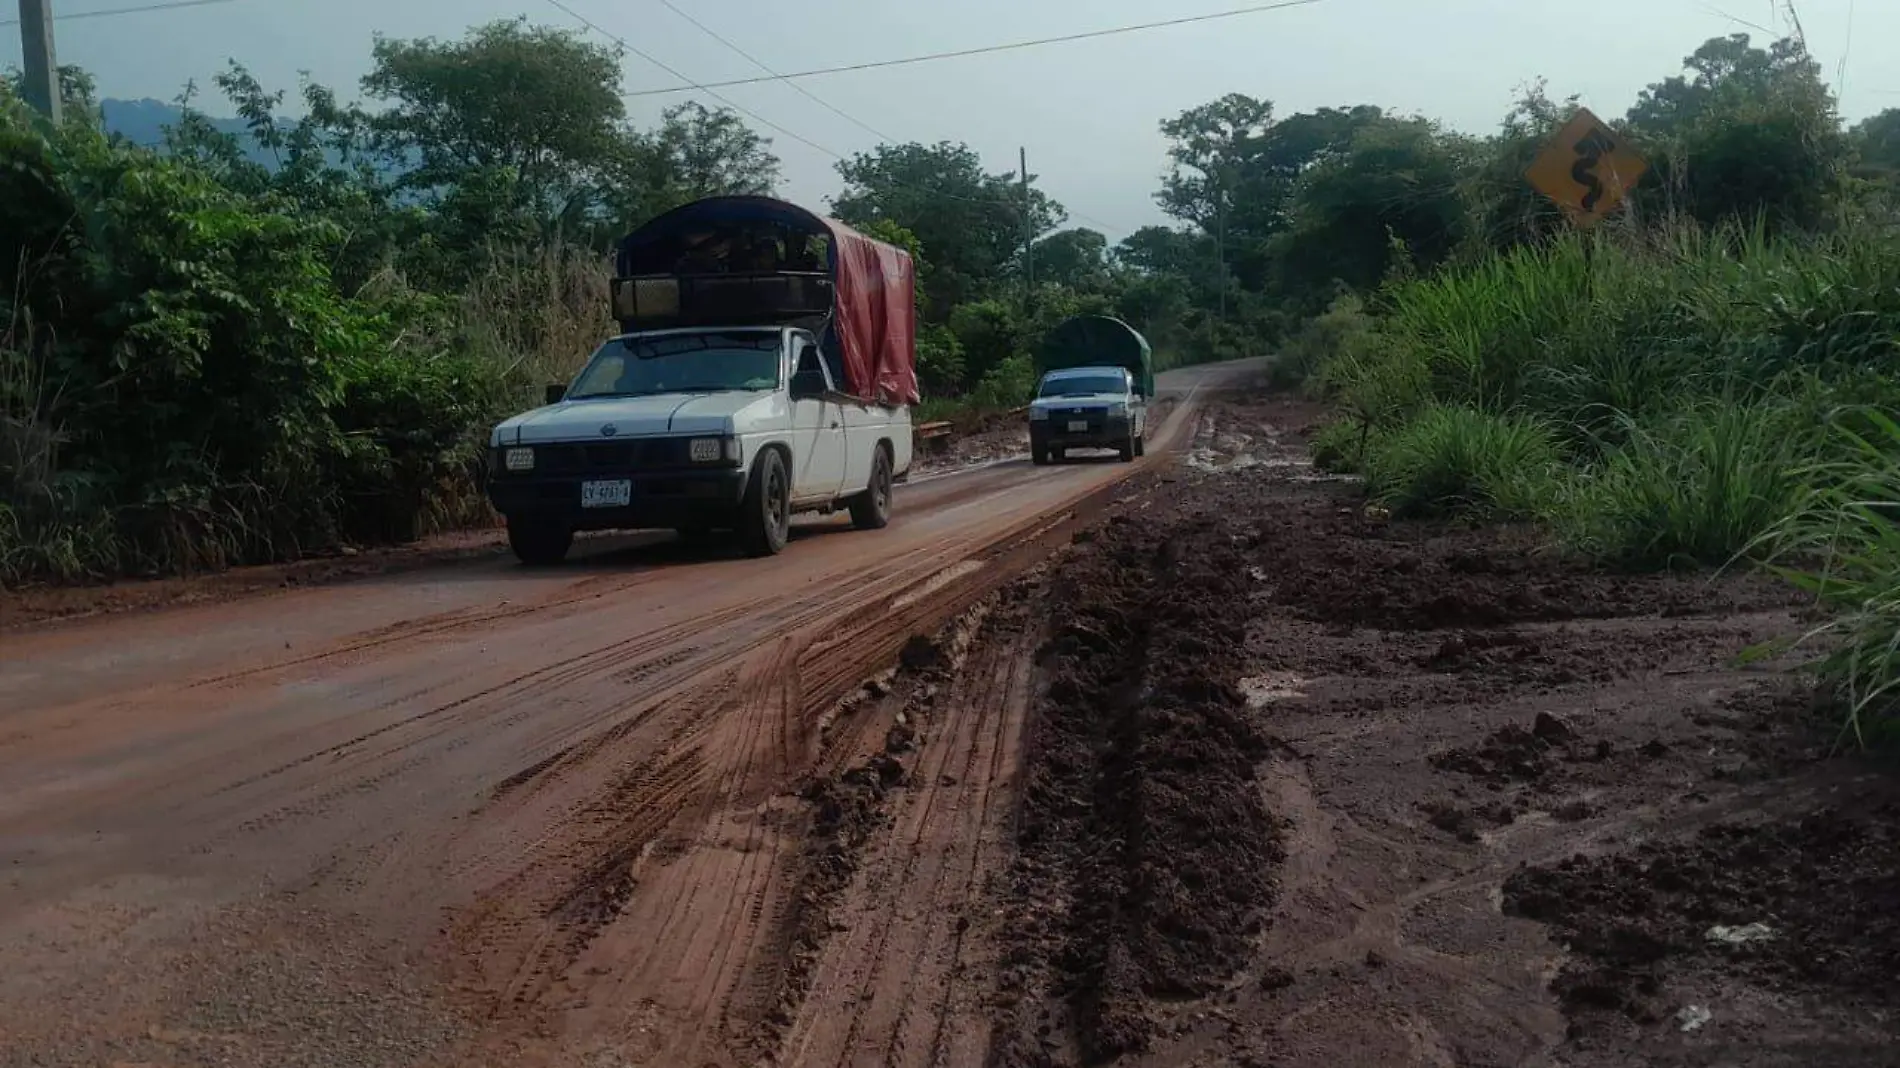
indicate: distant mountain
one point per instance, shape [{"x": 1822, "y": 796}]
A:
[{"x": 144, "y": 121}]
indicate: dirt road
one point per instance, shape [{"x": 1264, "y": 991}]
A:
[
  {"x": 1198, "y": 764},
  {"x": 468, "y": 814}
]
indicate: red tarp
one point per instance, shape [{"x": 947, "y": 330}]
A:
[{"x": 876, "y": 316}]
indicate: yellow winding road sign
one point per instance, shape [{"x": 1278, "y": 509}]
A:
[{"x": 1587, "y": 169}]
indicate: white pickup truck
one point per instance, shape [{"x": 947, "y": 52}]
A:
[
  {"x": 696, "y": 429},
  {"x": 766, "y": 366}
]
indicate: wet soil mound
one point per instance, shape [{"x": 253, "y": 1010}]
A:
[{"x": 1803, "y": 905}]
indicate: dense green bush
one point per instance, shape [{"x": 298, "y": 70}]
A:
[{"x": 1462, "y": 461}]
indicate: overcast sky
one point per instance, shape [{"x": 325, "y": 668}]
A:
[{"x": 1087, "y": 111}]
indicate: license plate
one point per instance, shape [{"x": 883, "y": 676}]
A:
[
  {"x": 1078, "y": 426},
  {"x": 613, "y": 494}
]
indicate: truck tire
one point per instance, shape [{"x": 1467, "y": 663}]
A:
[
  {"x": 539, "y": 544},
  {"x": 1039, "y": 457},
  {"x": 871, "y": 510},
  {"x": 1128, "y": 449},
  {"x": 765, "y": 516},
  {"x": 1060, "y": 456},
  {"x": 1141, "y": 447}
]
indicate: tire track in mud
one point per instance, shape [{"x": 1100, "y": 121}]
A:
[{"x": 904, "y": 983}]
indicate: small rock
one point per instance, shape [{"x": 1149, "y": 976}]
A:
[
  {"x": 1740, "y": 936},
  {"x": 1375, "y": 959},
  {"x": 1553, "y": 728},
  {"x": 1692, "y": 1017}
]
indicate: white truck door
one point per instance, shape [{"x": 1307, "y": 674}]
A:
[{"x": 818, "y": 436}]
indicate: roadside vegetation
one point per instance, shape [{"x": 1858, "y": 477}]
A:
[
  {"x": 250, "y": 339},
  {"x": 1708, "y": 381}
]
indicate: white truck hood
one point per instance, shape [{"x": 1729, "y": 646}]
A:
[
  {"x": 1091, "y": 400},
  {"x": 589, "y": 420}
]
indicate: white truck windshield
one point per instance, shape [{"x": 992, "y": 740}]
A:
[
  {"x": 1083, "y": 386},
  {"x": 708, "y": 362}
]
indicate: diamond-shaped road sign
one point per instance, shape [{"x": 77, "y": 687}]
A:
[{"x": 1587, "y": 169}]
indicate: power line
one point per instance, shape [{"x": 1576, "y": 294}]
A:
[
  {"x": 169, "y": 6},
  {"x": 728, "y": 102},
  {"x": 815, "y": 98},
  {"x": 708, "y": 90},
  {"x": 755, "y": 61},
  {"x": 984, "y": 50}
]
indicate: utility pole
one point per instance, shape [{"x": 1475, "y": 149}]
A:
[
  {"x": 1029, "y": 228},
  {"x": 1220, "y": 243},
  {"x": 36, "y": 45}
]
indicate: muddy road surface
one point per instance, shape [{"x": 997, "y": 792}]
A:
[
  {"x": 466, "y": 814},
  {"x": 1191, "y": 763}
]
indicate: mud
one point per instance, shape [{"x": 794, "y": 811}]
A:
[
  {"x": 1143, "y": 836},
  {"x": 1309, "y": 787}
]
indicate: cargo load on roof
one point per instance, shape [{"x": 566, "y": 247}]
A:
[
  {"x": 1098, "y": 341},
  {"x": 741, "y": 261}
]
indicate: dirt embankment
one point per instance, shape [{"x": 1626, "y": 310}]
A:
[{"x": 1303, "y": 787}]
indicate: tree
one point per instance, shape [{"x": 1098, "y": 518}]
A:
[
  {"x": 1747, "y": 132},
  {"x": 1076, "y": 258},
  {"x": 697, "y": 152},
  {"x": 537, "y": 105},
  {"x": 1876, "y": 142},
  {"x": 1235, "y": 169},
  {"x": 1506, "y": 209},
  {"x": 971, "y": 221},
  {"x": 1396, "y": 188},
  {"x": 1209, "y": 146}
]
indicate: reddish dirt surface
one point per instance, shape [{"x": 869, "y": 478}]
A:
[
  {"x": 38, "y": 605},
  {"x": 471, "y": 814},
  {"x": 1237, "y": 776}
]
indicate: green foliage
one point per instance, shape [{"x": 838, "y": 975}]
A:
[
  {"x": 1699, "y": 489},
  {"x": 1676, "y": 374},
  {"x": 1463, "y": 461},
  {"x": 970, "y": 221},
  {"x": 1842, "y": 544},
  {"x": 1342, "y": 328},
  {"x": 229, "y": 352}
]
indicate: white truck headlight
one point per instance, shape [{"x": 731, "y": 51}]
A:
[
  {"x": 713, "y": 450},
  {"x": 1118, "y": 408},
  {"x": 1037, "y": 415},
  {"x": 518, "y": 459}
]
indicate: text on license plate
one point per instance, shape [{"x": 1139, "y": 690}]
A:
[
  {"x": 617, "y": 493},
  {"x": 1077, "y": 426}
]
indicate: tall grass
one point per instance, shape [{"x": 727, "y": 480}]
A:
[
  {"x": 1452, "y": 460},
  {"x": 1843, "y": 545},
  {"x": 1662, "y": 400},
  {"x": 1698, "y": 489}
]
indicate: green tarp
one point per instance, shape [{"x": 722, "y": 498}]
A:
[{"x": 1099, "y": 341}]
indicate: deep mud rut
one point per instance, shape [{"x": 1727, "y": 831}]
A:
[{"x": 1239, "y": 776}]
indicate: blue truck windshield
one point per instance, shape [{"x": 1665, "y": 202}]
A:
[{"x": 681, "y": 363}]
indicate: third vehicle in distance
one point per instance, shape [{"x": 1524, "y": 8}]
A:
[{"x": 1097, "y": 378}]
